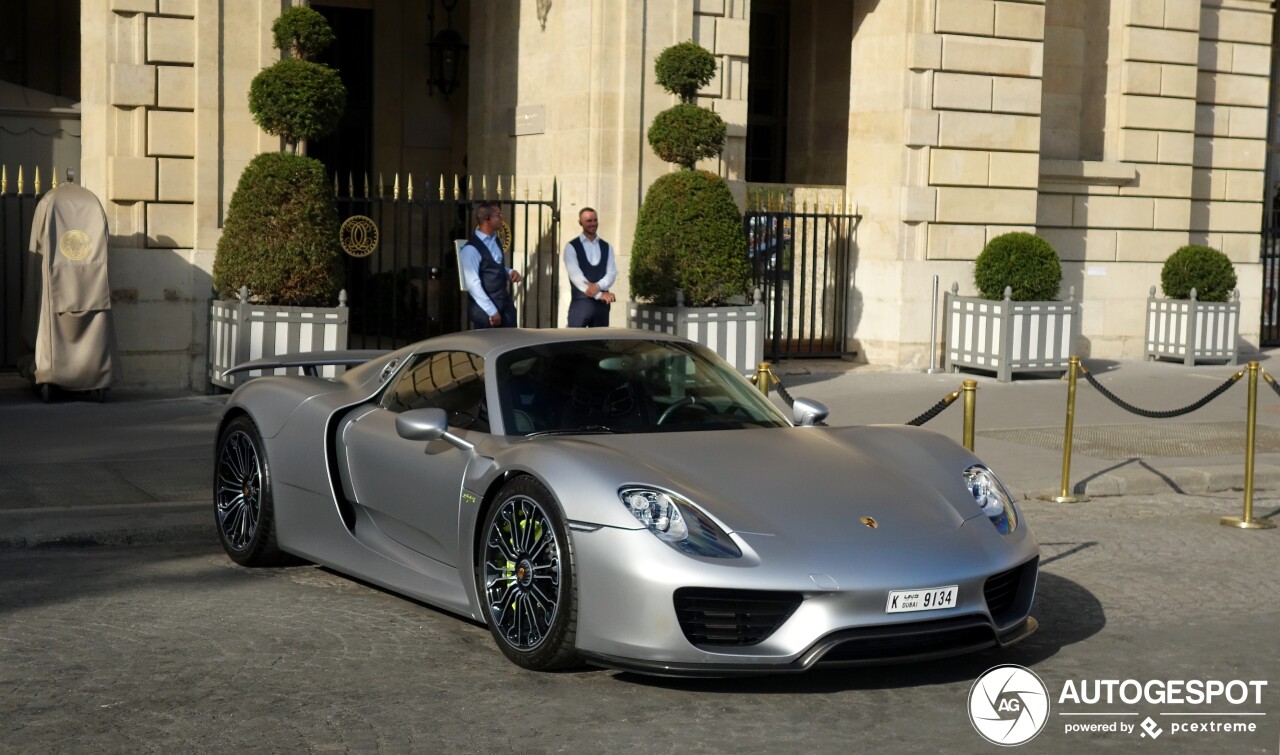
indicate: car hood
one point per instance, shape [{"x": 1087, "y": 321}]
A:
[{"x": 808, "y": 482}]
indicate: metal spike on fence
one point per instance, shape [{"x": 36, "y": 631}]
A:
[
  {"x": 526, "y": 188},
  {"x": 539, "y": 189},
  {"x": 351, "y": 185},
  {"x": 512, "y": 184},
  {"x": 441, "y": 187},
  {"x": 499, "y": 186},
  {"x": 455, "y": 187},
  {"x": 484, "y": 186},
  {"x": 471, "y": 188},
  {"x": 395, "y": 189},
  {"x": 54, "y": 182},
  {"x": 4, "y": 180},
  {"x": 366, "y": 184},
  {"x": 410, "y": 188},
  {"x": 37, "y": 180},
  {"x": 19, "y": 179},
  {"x": 381, "y": 183}
]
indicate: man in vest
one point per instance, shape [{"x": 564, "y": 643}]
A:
[
  {"x": 486, "y": 274},
  {"x": 592, "y": 270}
]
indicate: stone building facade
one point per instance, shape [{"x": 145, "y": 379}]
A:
[{"x": 1117, "y": 129}]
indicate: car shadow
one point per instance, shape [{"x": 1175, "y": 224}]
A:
[{"x": 1068, "y": 613}]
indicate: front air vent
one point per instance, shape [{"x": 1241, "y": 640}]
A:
[
  {"x": 732, "y": 617},
  {"x": 1001, "y": 590}
]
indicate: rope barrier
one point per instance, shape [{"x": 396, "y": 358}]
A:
[
  {"x": 1271, "y": 382},
  {"x": 936, "y": 409},
  {"x": 1161, "y": 414}
]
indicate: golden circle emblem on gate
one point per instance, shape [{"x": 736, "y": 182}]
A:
[
  {"x": 75, "y": 245},
  {"x": 504, "y": 236},
  {"x": 359, "y": 236}
]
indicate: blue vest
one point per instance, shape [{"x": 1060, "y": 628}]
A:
[
  {"x": 493, "y": 277},
  {"x": 593, "y": 273}
]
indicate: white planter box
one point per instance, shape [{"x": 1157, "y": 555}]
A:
[
  {"x": 1009, "y": 336},
  {"x": 1193, "y": 330},
  {"x": 240, "y": 331},
  {"x": 736, "y": 333}
]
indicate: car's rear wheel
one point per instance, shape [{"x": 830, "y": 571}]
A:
[
  {"x": 243, "y": 509},
  {"x": 526, "y": 578}
]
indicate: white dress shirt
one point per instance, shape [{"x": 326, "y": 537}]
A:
[
  {"x": 469, "y": 258},
  {"x": 591, "y": 248}
]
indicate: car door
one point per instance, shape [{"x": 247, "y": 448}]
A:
[{"x": 409, "y": 488}]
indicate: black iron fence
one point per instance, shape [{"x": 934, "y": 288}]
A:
[
  {"x": 19, "y": 194},
  {"x": 403, "y": 283},
  {"x": 1271, "y": 281},
  {"x": 803, "y": 259}
]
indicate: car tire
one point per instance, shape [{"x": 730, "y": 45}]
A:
[
  {"x": 526, "y": 580},
  {"x": 242, "y": 506}
]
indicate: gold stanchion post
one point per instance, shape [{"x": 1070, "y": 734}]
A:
[
  {"x": 1247, "y": 522},
  {"x": 762, "y": 377},
  {"x": 970, "y": 389},
  {"x": 1065, "y": 495}
]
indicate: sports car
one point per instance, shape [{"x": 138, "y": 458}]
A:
[{"x": 625, "y": 499}]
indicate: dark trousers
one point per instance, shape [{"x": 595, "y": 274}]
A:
[
  {"x": 588, "y": 313},
  {"x": 480, "y": 320}
]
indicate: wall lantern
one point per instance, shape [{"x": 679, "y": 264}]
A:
[{"x": 445, "y": 53}]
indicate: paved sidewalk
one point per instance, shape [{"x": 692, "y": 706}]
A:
[{"x": 138, "y": 467}]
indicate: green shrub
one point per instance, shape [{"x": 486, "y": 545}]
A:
[
  {"x": 685, "y": 68},
  {"x": 302, "y": 32},
  {"x": 281, "y": 234},
  {"x": 297, "y": 99},
  {"x": 1203, "y": 268},
  {"x": 1023, "y": 261},
  {"x": 684, "y": 134},
  {"x": 689, "y": 237}
]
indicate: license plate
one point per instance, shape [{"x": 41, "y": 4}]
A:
[{"x": 928, "y": 599}]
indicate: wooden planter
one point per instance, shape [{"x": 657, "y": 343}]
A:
[
  {"x": 241, "y": 330},
  {"x": 1193, "y": 330},
  {"x": 1009, "y": 336},
  {"x": 736, "y": 333}
]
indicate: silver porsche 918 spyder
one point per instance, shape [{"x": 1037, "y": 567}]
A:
[{"x": 626, "y": 499}]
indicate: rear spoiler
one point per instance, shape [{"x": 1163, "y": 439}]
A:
[{"x": 308, "y": 361}]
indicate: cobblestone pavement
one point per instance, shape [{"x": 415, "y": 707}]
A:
[{"x": 172, "y": 649}]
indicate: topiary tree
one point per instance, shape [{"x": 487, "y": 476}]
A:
[
  {"x": 1203, "y": 268},
  {"x": 280, "y": 237},
  {"x": 691, "y": 235},
  {"x": 302, "y": 32},
  {"x": 1023, "y": 261},
  {"x": 689, "y": 232},
  {"x": 281, "y": 234}
]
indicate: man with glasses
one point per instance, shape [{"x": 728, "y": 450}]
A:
[{"x": 485, "y": 273}]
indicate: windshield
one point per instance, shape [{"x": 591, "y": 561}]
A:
[{"x": 625, "y": 386}]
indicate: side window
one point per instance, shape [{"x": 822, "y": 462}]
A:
[{"x": 449, "y": 380}]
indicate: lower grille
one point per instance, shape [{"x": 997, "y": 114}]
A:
[
  {"x": 732, "y": 617},
  {"x": 1001, "y": 591},
  {"x": 904, "y": 641}
]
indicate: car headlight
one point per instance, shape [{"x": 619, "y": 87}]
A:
[
  {"x": 990, "y": 495},
  {"x": 678, "y": 523}
]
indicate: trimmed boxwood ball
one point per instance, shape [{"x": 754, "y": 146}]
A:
[
  {"x": 685, "y": 68},
  {"x": 297, "y": 99},
  {"x": 302, "y": 32},
  {"x": 1020, "y": 260},
  {"x": 689, "y": 237},
  {"x": 684, "y": 134},
  {"x": 1203, "y": 268},
  {"x": 281, "y": 234}
]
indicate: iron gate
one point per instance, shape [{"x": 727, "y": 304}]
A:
[
  {"x": 17, "y": 208},
  {"x": 406, "y": 287},
  {"x": 1271, "y": 278},
  {"x": 802, "y": 261}
]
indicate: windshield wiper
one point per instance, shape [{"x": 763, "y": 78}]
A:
[{"x": 584, "y": 430}]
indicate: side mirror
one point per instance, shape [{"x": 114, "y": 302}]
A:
[
  {"x": 806, "y": 412},
  {"x": 428, "y": 424}
]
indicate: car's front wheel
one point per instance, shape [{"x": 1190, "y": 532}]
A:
[
  {"x": 526, "y": 578},
  {"x": 243, "y": 509}
]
